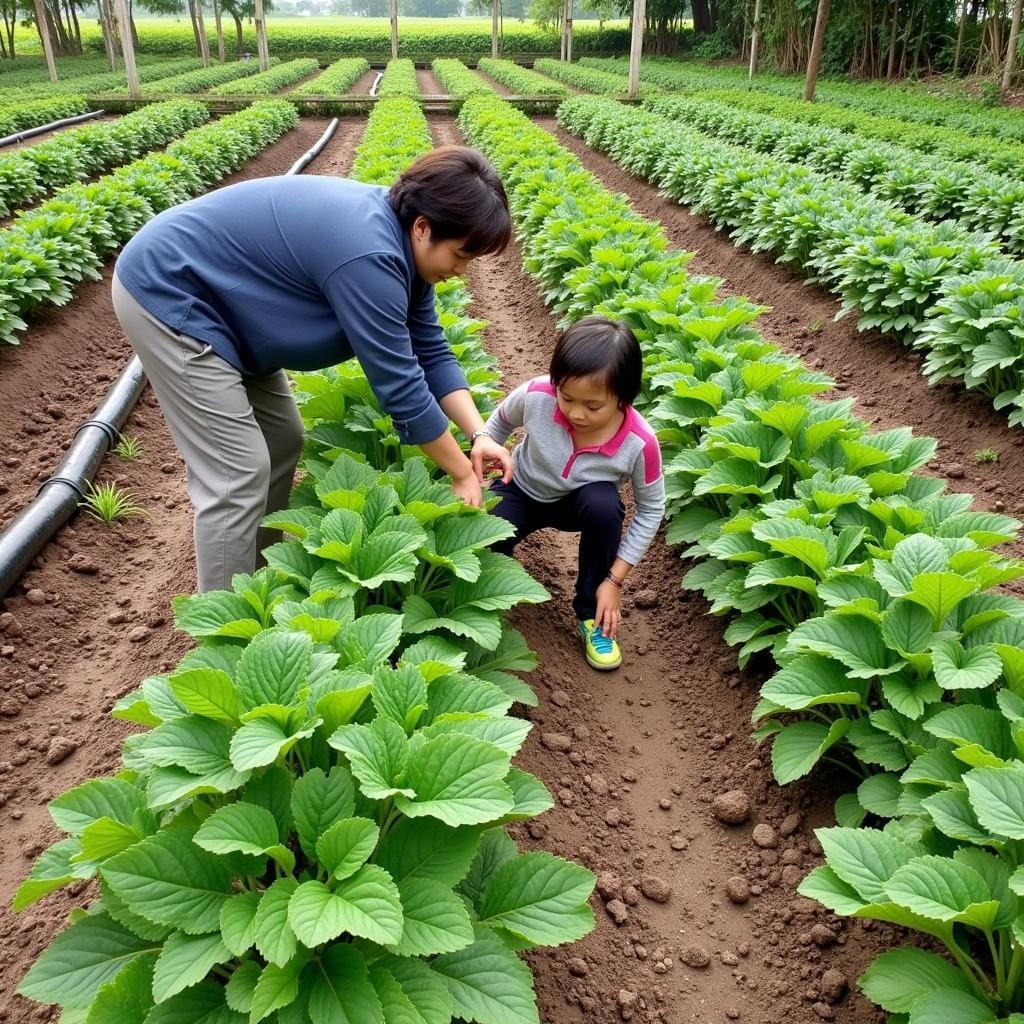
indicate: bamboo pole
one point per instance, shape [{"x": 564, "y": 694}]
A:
[{"x": 755, "y": 39}]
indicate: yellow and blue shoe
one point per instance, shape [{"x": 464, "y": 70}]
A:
[{"x": 601, "y": 651}]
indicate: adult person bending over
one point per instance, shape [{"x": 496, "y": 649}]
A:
[{"x": 221, "y": 294}]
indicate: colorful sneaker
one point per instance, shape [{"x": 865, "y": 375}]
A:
[{"x": 601, "y": 651}]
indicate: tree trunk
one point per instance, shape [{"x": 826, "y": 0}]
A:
[
  {"x": 636, "y": 46},
  {"x": 124, "y": 33},
  {"x": 107, "y": 28},
  {"x": 44, "y": 35},
  {"x": 820, "y": 22},
  {"x": 220, "y": 30},
  {"x": 494, "y": 28},
  {"x": 755, "y": 39},
  {"x": 195, "y": 26},
  {"x": 133, "y": 26},
  {"x": 568, "y": 29},
  {"x": 701, "y": 16},
  {"x": 204, "y": 42},
  {"x": 1011, "y": 48},
  {"x": 892, "y": 40},
  {"x": 239, "y": 41},
  {"x": 261, "y": 35},
  {"x": 960, "y": 37},
  {"x": 394, "y": 28},
  {"x": 74, "y": 21}
]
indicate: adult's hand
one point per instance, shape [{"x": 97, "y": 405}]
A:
[
  {"x": 488, "y": 454},
  {"x": 468, "y": 489}
]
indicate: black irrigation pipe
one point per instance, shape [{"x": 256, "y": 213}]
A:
[
  {"x": 29, "y": 133},
  {"x": 60, "y": 496}
]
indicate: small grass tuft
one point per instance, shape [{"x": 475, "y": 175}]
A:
[
  {"x": 109, "y": 504},
  {"x": 986, "y": 455},
  {"x": 129, "y": 448}
]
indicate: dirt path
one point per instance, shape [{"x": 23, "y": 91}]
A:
[
  {"x": 92, "y": 618},
  {"x": 635, "y": 759},
  {"x": 500, "y": 89},
  {"x": 362, "y": 85},
  {"x": 880, "y": 373},
  {"x": 429, "y": 83}
]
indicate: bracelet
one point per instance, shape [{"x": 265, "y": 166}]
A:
[
  {"x": 478, "y": 433},
  {"x": 614, "y": 580}
]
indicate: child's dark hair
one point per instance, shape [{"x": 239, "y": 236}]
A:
[
  {"x": 598, "y": 347},
  {"x": 460, "y": 194}
]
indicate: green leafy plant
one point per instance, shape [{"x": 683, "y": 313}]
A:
[
  {"x": 271, "y": 81},
  {"x": 591, "y": 80},
  {"x": 520, "y": 80},
  {"x": 399, "y": 79},
  {"x": 458, "y": 80},
  {"x": 337, "y": 79},
  {"x": 986, "y": 455},
  {"x": 129, "y": 448},
  {"x": 110, "y": 504}
]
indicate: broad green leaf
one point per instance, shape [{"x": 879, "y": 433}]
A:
[
  {"x": 997, "y": 797},
  {"x": 318, "y": 800},
  {"x": 204, "y": 1003},
  {"x": 864, "y": 858},
  {"x": 400, "y": 694},
  {"x": 808, "y": 681},
  {"x": 241, "y": 987},
  {"x": 342, "y": 992},
  {"x": 457, "y": 779},
  {"x": 87, "y": 954},
  {"x": 346, "y": 845},
  {"x": 942, "y": 889},
  {"x": 127, "y": 999},
  {"x": 367, "y": 904},
  {"x": 482, "y": 627},
  {"x": 274, "y": 936},
  {"x": 952, "y": 1007},
  {"x": 78, "y": 808},
  {"x": 238, "y": 922},
  {"x": 209, "y": 692},
  {"x": 169, "y": 880},
  {"x": 426, "y": 991},
  {"x": 853, "y": 640},
  {"x": 244, "y": 828},
  {"x": 218, "y": 613},
  {"x": 262, "y": 741},
  {"x": 427, "y": 848},
  {"x": 488, "y": 983},
  {"x": 273, "y": 667},
  {"x": 378, "y": 755},
  {"x": 957, "y": 668},
  {"x": 939, "y": 593},
  {"x": 496, "y": 848},
  {"x": 540, "y": 898},
  {"x": 825, "y": 886},
  {"x": 799, "y": 746},
  {"x": 278, "y": 986},
  {"x": 184, "y": 961},
  {"x": 435, "y": 920},
  {"x": 898, "y": 978},
  {"x": 953, "y": 816}
]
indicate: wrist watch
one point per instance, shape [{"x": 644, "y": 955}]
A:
[{"x": 482, "y": 432}]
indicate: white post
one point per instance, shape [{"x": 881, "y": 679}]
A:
[
  {"x": 44, "y": 33},
  {"x": 124, "y": 33},
  {"x": 261, "y": 36},
  {"x": 394, "y": 28},
  {"x": 636, "y": 46},
  {"x": 755, "y": 39}
]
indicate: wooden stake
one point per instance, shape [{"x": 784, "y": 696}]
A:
[
  {"x": 44, "y": 34},
  {"x": 814, "y": 62},
  {"x": 261, "y": 36},
  {"x": 495, "y": 12},
  {"x": 755, "y": 39},
  {"x": 636, "y": 45},
  {"x": 568, "y": 30},
  {"x": 124, "y": 33},
  {"x": 394, "y": 28},
  {"x": 220, "y": 30}
]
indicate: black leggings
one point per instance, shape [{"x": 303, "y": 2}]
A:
[{"x": 594, "y": 511}]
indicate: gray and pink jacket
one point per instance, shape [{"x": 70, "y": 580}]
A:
[{"x": 547, "y": 465}]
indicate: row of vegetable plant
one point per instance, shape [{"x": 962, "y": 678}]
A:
[
  {"x": 48, "y": 250},
  {"x": 894, "y": 269},
  {"x": 204, "y": 79},
  {"x": 399, "y": 79},
  {"x": 458, "y": 80},
  {"x": 267, "y": 82},
  {"x": 337, "y": 79},
  {"x": 521, "y": 81},
  {"x": 310, "y": 829},
  {"x": 589, "y": 79},
  {"x": 927, "y": 186},
  {"x": 19, "y": 117},
  {"x": 907, "y": 104},
  {"x": 870, "y": 585},
  {"x": 149, "y": 71},
  {"x": 79, "y": 153}
]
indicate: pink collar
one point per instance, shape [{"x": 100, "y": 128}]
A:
[{"x": 609, "y": 447}]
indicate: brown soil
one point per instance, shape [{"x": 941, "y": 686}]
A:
[
  {"x": 429, "y": 83},
  {"x": 91, "y": 618},
  {"x": 362, "y": 86},
  {"x": 302, "y": 81},
  {"x": 882, "y": 375},
  {"x": 650, "y": 746}
]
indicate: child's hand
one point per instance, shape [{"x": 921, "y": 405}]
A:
[
  {"x": 609, "y": 601},
  {"x": 488, "y": 454}
]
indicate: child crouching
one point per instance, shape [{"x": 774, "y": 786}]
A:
[{"x": 583, "y": 440}]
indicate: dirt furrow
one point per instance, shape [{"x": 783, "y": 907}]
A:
[
  {"x": 92, "y": 618},
  {"x": 429, "y": 83},
  {"x": 882, "y": 375},
  {"x": 635, "y": 759}
]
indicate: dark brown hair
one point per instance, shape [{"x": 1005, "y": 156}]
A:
[
  {"x": 601, "y": 348},
  {"x": 461, "y": 196}
]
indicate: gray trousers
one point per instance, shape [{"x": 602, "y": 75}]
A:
[{"x": 240, "y": 437}]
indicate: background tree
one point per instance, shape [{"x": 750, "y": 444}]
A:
[{"x": 9, "y": 14}]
